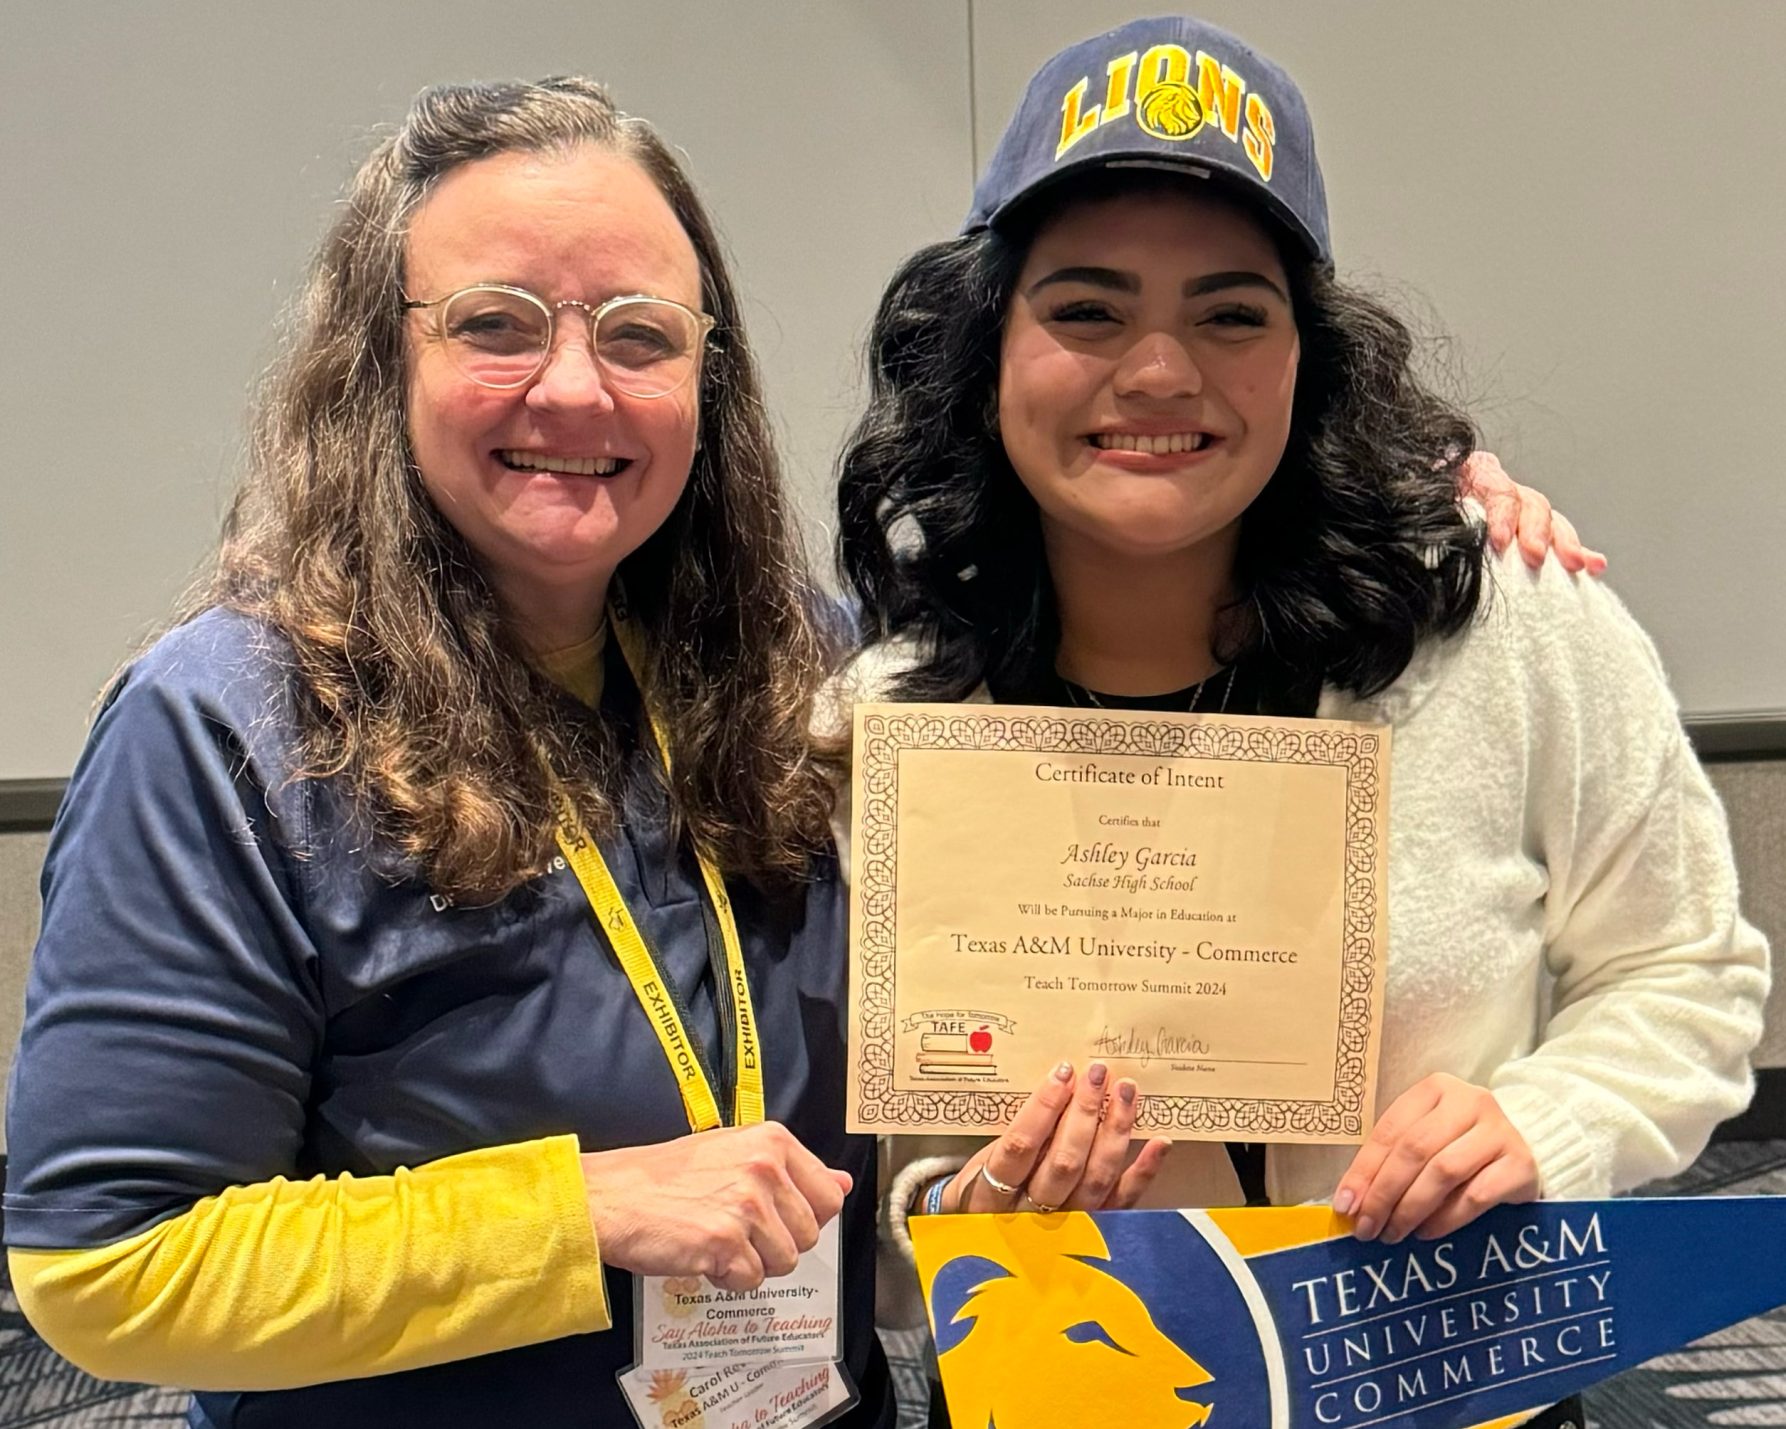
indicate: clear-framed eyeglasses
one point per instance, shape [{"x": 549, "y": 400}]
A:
[{"x": 500, "y": 337}]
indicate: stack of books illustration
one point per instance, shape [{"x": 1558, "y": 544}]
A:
[{"x": 956, "y": 1054}]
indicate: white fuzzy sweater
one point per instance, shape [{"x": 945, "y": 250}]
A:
[{"x": 1563, "y": 924}]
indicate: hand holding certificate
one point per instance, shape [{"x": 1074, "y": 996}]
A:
[
  {"x": 1068, "y": 1148},
  {"x": 1197, "y": 901}
]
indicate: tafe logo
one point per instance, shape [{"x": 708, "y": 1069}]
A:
[
  {"x": 956, "y": 1044},
  {"x": 1156, "y": 87}
]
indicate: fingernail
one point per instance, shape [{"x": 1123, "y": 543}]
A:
[
  {"x": 1344, "y": 1200},
  {"x": 1126, "y": 1090},
  {"x": 1365, "y": 1227},
  {"x": 1097, "y": 1074},
  {"x": 1064, "y": 1072}
]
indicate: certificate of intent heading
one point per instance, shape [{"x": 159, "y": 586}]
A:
[{"x": 1198, "y": 901}]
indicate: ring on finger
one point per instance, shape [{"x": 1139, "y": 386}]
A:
[
  {"x": 1037, "y": 1206},
  {"x": 1002, "y": 1187}
]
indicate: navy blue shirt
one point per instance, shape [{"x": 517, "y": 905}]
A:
[{"x": 233, "y": 982}]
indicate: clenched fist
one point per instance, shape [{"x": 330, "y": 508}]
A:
[{"x": 737, "y": 1204}]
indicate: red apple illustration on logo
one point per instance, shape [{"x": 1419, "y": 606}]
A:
[{"x": 980, "y": 1040}]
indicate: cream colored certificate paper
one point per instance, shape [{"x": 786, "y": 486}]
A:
[{"x": 1196, "y": 900}]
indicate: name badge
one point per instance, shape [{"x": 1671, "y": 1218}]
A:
[
  {"x": 687, "y": 1323},
  {"x": 738, "y": 1396}
]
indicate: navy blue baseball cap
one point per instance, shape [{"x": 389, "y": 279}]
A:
[{"x": 1167, "y": 93}]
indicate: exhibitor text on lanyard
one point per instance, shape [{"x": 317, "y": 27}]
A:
[
  {"x": 652, "y": 987},
  {"x": 795, "y": 1378}
]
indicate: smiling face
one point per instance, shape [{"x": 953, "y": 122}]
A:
[
  {"x": 554, "y": 483},
  {"x": 1147, "y": 372}
]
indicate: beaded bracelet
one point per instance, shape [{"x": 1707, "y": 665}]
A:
[{"x": 933, "y": 1198}]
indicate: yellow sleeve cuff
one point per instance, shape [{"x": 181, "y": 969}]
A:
[{"x": 285, "y": 1283}]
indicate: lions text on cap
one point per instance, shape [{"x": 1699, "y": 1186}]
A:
[{"x": 1155, "y": 87}]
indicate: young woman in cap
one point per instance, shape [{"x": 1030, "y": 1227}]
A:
[
  {"x": 1131, "y": 444},
  {"x": 333, "y": 1101}
]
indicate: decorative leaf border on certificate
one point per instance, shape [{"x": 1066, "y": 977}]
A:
[{"x": 1184, "y": 737}]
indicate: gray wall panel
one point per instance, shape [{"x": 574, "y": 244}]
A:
[
  {"x": 1754, "y": 796},
  {"x": 21, "y": 855}
]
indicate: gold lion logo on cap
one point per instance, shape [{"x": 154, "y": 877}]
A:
[
  {"x": 1172, "y": 94},
  {"x": 1170, "y": 111}
]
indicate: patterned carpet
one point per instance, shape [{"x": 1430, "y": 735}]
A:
[{"x": 1735, "y": 1377}]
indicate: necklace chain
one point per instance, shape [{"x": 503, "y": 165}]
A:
[{"x": 1088, "y": 698}]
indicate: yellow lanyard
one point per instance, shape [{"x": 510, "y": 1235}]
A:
[{"x": 651, "y": 985}]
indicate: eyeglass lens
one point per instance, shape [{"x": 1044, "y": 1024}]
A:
[{"x": 648, "y": 348}]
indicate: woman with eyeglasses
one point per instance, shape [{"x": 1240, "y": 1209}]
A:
[
  {"x": 1131, "y": 444},
  {"x": 459, "y": 854}
]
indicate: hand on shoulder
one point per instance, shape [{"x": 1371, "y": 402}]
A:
[{"x": 1523, "y": 515}]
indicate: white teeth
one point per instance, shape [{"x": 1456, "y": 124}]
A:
[
  {"x": 1153, "y": 446},
  {"x": 570, "y": 465}
]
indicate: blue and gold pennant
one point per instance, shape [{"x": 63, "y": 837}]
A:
[{"x": 1279, "y": 1319}]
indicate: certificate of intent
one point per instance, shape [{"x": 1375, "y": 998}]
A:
[{"x": 1199, "y": 901}]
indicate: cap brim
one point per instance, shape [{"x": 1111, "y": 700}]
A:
[{"x": 1231, "y": 179}]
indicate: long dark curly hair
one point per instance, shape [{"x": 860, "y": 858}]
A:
[
  {"x": 411, "y": 689},
  {"x": 1354, "y": 552}
]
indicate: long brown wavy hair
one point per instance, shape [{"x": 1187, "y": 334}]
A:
[{"x": 411, "y": 690}]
